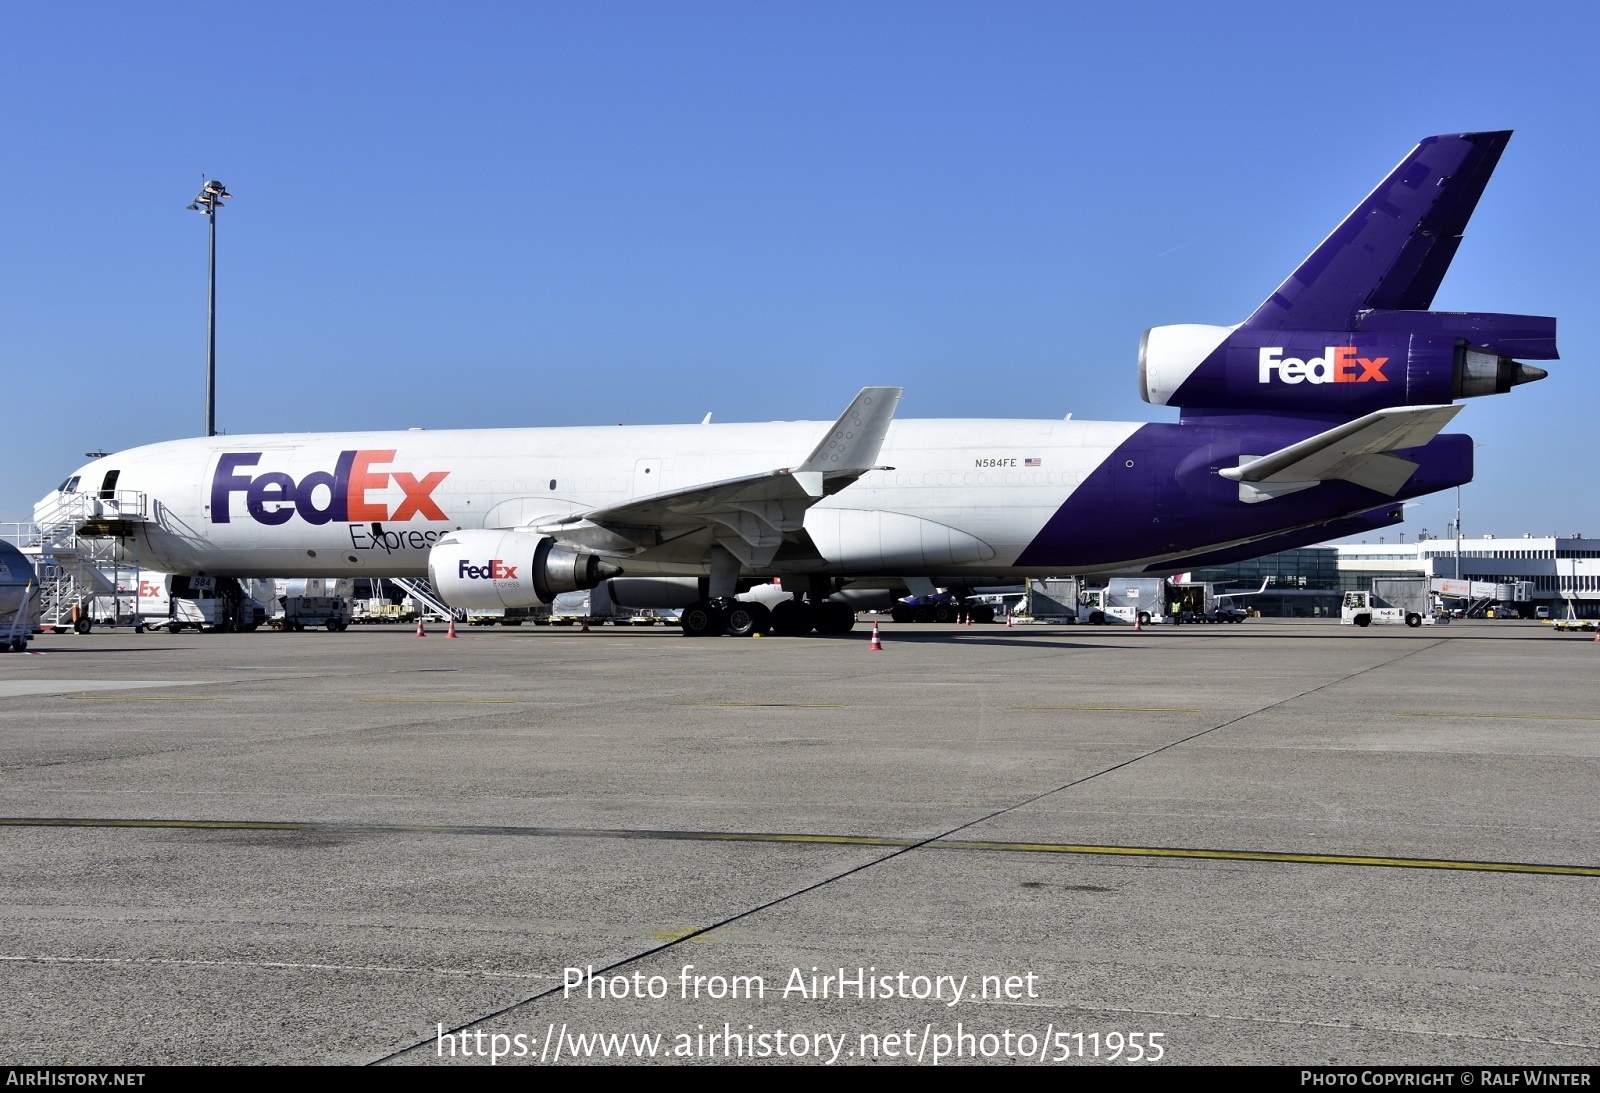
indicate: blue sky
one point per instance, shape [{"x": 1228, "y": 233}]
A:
[{"x": 535, "y": 214}]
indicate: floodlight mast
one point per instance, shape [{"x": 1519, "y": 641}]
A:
[{"x": 208, "y": 201}]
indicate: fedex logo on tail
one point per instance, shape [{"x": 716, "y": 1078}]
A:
[
  {"x": 496, "y": 570},
  {"x": 274, "y": 497},
  {"x": 1339, "y": 365}
]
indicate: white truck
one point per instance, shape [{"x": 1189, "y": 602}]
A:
[
  {"x": 142, "y": 600},
  {"x": 1367, "y": 608},
  {"x": 1127, "y": 599},
  {"x": 1393, "y": 601},
  {"x": 206, "y": 604},
  {"x": 1412, "y": 600}
]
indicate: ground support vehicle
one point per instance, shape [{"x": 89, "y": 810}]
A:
[
  {"x": 1198, "y": 601},
  {"x": 375, "y": 611},
  {"x": 209, "y": 604},
  {"x": 330, "y": 612},
  {"x": 1572, "y": 625},
  {"x": 941, "y": 607},
  {"x": 1394, "y": 601},
  {"x": 509, "y": 616},
  {"x": 1369, "y": 609}
]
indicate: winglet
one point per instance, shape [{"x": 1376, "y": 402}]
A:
[{"x": 852, "y": 445}]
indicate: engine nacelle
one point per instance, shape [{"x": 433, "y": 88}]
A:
[
  {"x": 490, "y": 570},
  {"x": 1395, "y": 358}
]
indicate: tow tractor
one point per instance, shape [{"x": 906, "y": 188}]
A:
[{"x": 1367, "y": 608}]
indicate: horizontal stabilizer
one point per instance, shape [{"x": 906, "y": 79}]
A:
[
  {"x": 1392, "y": 251},
  {"x": 1358, "y": 451}
]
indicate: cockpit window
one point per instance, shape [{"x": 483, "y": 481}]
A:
[{"x": 70, "y": 485}]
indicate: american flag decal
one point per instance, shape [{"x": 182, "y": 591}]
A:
[{"x": 1033, "y": 463}]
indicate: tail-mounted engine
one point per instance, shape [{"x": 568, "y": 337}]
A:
[
  {"x": 1351, "y": 330},
  {"x": 490, "y": 570},
  {"x": 1392, "y": 358}
]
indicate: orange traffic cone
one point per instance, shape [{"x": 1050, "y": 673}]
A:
[
  {"x": 1136, "y": 626},
  {"x": 585, "y": 629},
  {"x": 450, "y": 633},
  {"x": 1008, "y": 620},
  {"x": 421, "y": 633},
  {"x": 877, "y": 642}
]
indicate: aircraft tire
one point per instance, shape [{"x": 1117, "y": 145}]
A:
[
  {"x": 982, "y": 614},
  {"x": 902, "y": 612},
  {"x": 922, "y": 614},
  {"x": 792, "y": 619},
  {"x": 745, "y": 619},
  {"x": 834, "y": 618},
  {"x": 701, "y": 620},
  {"x": 943, "y": 612}
]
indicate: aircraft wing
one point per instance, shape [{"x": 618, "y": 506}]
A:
[
  {"x": 751, "y": 515},
  {"x": 1359, "y": 451}
]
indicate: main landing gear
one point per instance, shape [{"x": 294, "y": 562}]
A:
[
  {"x": 710, "y": 618},
  {"x": 739, "y": 618}
]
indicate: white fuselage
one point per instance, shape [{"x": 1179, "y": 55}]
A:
[{"x": 950, "y": 497}]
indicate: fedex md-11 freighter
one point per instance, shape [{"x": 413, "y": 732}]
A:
[{"x": 1314, "y": 418}]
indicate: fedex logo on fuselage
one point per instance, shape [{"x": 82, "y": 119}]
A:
[
  {"x": 496, "y": 570},
  {"x": 344, "y": 496},
  {"x": 1339, "y": 365}
]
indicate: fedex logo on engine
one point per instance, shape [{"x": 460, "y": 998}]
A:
[
  {"x": 323, "y": 497},
  {"x": 1340, "y": 365},
  {"x": 496, "y": 570}
]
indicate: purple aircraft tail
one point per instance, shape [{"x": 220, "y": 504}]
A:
[
  {"x": 1392, "y": 251},
  {"x": 1349, "y": 332}
]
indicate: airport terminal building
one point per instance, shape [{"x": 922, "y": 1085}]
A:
[{"x": 1309, "y": 583}]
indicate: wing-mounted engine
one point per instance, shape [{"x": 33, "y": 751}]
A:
[
  {"x": 1349, "y": 332},
  {"x": 495, "y": 569}
]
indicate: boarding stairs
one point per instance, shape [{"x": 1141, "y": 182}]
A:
[
  {"x": 422, "y": 592},
  {"x": 84, "y": 548}
]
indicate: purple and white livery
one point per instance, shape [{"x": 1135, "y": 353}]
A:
[{"x": 1315, "y": 417}]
